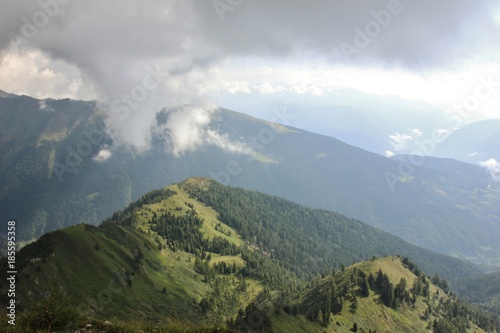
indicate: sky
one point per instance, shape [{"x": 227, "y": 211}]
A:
[{"x": 137, "y": 57}]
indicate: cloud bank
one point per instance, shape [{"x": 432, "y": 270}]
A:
[
  {"x": 188, "y": 128},
  {"x": 103, "y": 155},
  {"x": 399, "y": 141},
  {"x": 493, "y": 167},
  {"x": 139, "y": 57}
]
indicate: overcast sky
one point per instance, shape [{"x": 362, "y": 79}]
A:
[{"x": 172, "y": 52}]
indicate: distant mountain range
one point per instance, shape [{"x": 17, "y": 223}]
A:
[
  {"x": 474, "y": 143},
  {"x": 386, "y": 126},
  {"x": 375, "y": 124},
  {"x": 481, "y": 289},
  {"x": 59, "y": 167}
]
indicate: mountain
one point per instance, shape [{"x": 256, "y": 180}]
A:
[
  {"x": 34, "y": 136},
  {"x": 386, "y": 295},
  {"x": 60, "y": 167},
  {"x": 4, "y": 94},
  {"x": 472, "y": 143},
  {"x": 172, "y": 262},
  {"x": 367, "y": 121},
  {"x": 482, "y": 290}
]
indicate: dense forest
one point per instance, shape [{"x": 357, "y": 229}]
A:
[
  {"x": 182, "y": 253},
  {"x": 311, "y": 241},
  {"x": 332, "y": 292},
  {"x": 483, "y": 290}
]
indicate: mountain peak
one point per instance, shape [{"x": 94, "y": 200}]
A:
[
  {"x": 196, "y": 183},
  {"x": 388, "y": 294},
  {"x": 209, "y": 253}
]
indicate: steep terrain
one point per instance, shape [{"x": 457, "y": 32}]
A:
[
  {"x": 483, "y": 290},
  {"x": 386, "y": 295},
  {"x": 58, "y": 157},
  {"x": 171, "y": 262}
]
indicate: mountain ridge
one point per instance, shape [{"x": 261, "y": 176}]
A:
[
  {"x": 473, "y": 143},
  {"x": 427, "y": 207},
  {"x": 171, "y": 259}
]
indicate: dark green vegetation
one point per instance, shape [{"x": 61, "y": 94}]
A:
[
  {"x": 172, "y": 262},
  {"x": 389, "y": 295},
  {"x": 37, "y": 147},
  {"x": 47, "y": 151},
  {"x": 310, "y": 241},
  {"x": 50, "y": 179},
  {"x": 483, "y": 290}
]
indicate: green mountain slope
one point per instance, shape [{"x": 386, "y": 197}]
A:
[
  {"x": 117, "y": 268},
  {"x": 387, "y": 295},
  {"x": 483, "y": 290},
  {"x": 171, "y": 259},
  {"x": 49, "y": 153},
  {"x": 310, "y": 240}
]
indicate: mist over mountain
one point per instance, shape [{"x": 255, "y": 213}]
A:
[
  {"x": 59, "y": 157},
  {"x": 474, "y": 143},
  {"x": 386, "y": 126},
  {"x": 250, "y": 166}
]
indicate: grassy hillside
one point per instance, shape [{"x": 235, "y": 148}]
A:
[
  {"x": 310, "y": 241},
  {"x": 172, "y": 263},
  {"x": 111, "y": 269},
  {"x": 412, "y": 310},
  {"x": 128, "y": 271}
]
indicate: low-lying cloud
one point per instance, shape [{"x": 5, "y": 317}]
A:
[
  {"x": 399, "y": 141},
  {"x": 493, "y": 167},
  {"x": 188, "y": 128},
  {"x": 43, "y": 106},
  {"x": 113, "y": 44},
  {"x": 103, "y": 155}
]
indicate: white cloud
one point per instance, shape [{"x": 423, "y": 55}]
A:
[
  {"x": 315, "y": 91},
  {"x": 235, "y": 87},
  {"x": 417, "y": 133},
  {"x": 493, "y": 167},
  {"x": 223, "y": 142},
  {"x": 442, "y": 131},
  {"x": 34, "y": 73},
  {"x": 188, "y": 129},
  {"x": 292, "y": 49},
  {"x": 307, "y": 89},
  {"x": 42, "y": 106},
  {"x": 389, "y": 153},
  {"x": 399, "y": 141},
  {"x": 267, "y": 88},
  {"x": 102, "y": 155}
]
